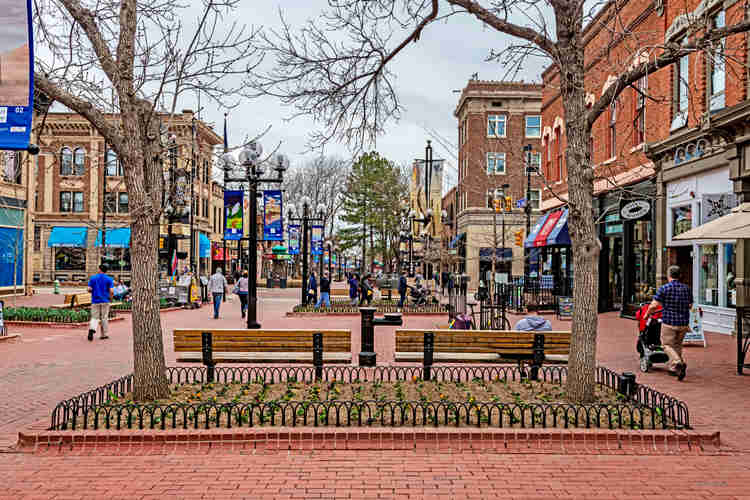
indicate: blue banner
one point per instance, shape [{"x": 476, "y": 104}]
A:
[
  {"x": 293, "y": 239},
  {"x": 317, "y": 240},
  {"x": 233, "y": 214},
  {"x": 16, "y": 75},
  {"x": 273, "y": 225}
]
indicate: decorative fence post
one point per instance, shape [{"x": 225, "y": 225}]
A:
[
  {"x": 318, "y": 355},
  {"x": 429, "y": 349},
  {"x": 538, "y": 355}
]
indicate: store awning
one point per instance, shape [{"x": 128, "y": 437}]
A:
[
  {"x": 68, "y": 236},
  {"x": 116, "y": 238},
  {"x": 529, "y": 243},
  {"x": 204, "y": 245},
  {"x": 456, "y": 239},
  {"x": 733, "y": 226},
  {"x": 559, "y": 234},
  {"x": 549, "y": 225}
]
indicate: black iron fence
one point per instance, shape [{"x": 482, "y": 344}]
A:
[
  {"x": 639, "y": 406},
  {"x": 522, "y": 294}
]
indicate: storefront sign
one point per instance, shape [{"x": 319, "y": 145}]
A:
[
  {"x": 233, "y": 214},
  {"x": 273, "y": 228},
  {"x": 695, "y": 334},
  {"x": 634, "y": 209},
  {"x": 714, "y": 206},
  {"x": 16, "y": 75}
]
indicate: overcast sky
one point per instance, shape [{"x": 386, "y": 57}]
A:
[{"x": 427, "y": 74}]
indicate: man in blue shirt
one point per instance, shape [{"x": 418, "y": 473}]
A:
[
  {"x": 402, "y": 287},
  {"x": 101, "y": 288},
  {"x": 675, "y": 299}
]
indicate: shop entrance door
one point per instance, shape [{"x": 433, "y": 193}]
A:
[
  {"x": 614, "y": 272},
  {"x": 683, "y": 257}
]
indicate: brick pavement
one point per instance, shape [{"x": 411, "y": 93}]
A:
[{"x": 47, "y": 365}]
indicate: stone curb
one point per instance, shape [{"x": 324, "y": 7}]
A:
[
  {"x": 528, "y": 441},
  {"x": 42, "y": 324}
]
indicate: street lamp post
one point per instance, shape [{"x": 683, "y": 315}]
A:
[
  {"x": 254, "y": 171},
  {"x": 527, "y": 207},
  {"x": 305, "y": 219}
]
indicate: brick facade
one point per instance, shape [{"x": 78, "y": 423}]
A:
[{"x": 71, "y": 132}]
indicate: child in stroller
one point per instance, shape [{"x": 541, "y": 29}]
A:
[{"x": 648, "y": 344}]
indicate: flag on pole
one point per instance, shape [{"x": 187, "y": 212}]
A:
[
  {"x": 226, "y": 142},
  {"x": 174, "y": 262}
]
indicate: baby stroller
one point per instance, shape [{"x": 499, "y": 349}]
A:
[{"x": 649, "y": 339}]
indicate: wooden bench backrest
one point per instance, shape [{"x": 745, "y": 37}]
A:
[
  {"x": 69, "y": 299},
  {"x": 483, "y": 341},
  {"x": 82, "y": 299},
  {"x": 190, "y": 340}
]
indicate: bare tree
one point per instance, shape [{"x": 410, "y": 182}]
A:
[
  {"x": 143, "y": 53},
  {"x": 347, "y": 86}
]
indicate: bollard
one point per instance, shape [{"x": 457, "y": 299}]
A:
[
  {"x": 367, "y": 356},
  {"x": 626, "y": 384},
  {"x": 318, "y": 355},
  {"x": 57, "y": 287},
  {"x": 538, "y": 355},
  {"x": 208, "y": 355},
  {"x": 429, "y": 350}
]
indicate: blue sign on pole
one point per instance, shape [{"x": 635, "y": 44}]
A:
[
  {"x": 233, "y": 214},
  {"x": 16, "y": 75},
  {"x": 317, "y": 240},
  {"x": 273, "y": 225},
  {"x": 293, "y": 239}
]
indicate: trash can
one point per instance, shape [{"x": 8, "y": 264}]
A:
[
  {"x": 57, "y": 287},
  {"x": 282, "y": 283}
]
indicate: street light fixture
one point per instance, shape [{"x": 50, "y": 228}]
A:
[
  {"x": 305, "y": 218},
  {"x": 252, "y": 172}
]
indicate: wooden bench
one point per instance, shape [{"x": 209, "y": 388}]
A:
[
  {"x": 263, "y": 346},
  {"x": 482, "y": 346},
  {"x": 73, "y": 300}
]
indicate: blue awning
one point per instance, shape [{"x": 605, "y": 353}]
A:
[
  {"x": 62, "y": 236},
  {"x": 205, "y": 246},
  {"x": 559, "y": 234},
  {"x": 116, "y": 238},
  {"x": 529, "y": 242}
]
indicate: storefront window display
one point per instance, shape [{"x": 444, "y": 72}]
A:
[
  {"x": 729, "y": 262},
  {"x": 70, "y": 259},
  {"x": 643, "y": 287},
  {"x": 708, "y": 284},
  {"x": 118, "y": 259},
  {"x": 682, "y": 219}
]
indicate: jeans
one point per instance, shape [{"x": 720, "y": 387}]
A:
[
  {"x": 218, "y": 297},
  {"x": 243, "y": 302},
  {"x": 402, "y": 299},
  {"x": 324, "y": 297}
]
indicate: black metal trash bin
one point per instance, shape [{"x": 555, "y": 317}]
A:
[{"x": 282, "y": 283}]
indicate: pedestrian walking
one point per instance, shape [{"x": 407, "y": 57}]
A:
[
  {"x": 402, "y": 287},
  {"x": 443, "y": 281},
  {"x": 101, "y": 288},
  {"x": 675, "y": 299},
  {"x": 325, "y": 291},
  {"x": 365, "y": 290},
  {"x": 354, "y": 289},
  {"x": 312, "y": 288},
  {"x": 217, "y": 285},
  {"x": 243, "y": 286}
]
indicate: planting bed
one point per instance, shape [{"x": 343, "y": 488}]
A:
[
  {"x": 498, "y": 397},
  {"x": 35, "y": 315}
]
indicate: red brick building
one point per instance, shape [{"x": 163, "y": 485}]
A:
[
  {"x": 496, "y": 120},
  {"x": 670, "y": 144}
]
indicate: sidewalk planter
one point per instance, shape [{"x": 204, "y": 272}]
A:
[{"x": 48, "y": 315}]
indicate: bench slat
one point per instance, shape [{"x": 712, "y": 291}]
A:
[{"x": 266, "y": 357}]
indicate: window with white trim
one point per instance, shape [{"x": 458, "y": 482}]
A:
[
  {"x": 496, "y": 125},
  {"x": 495, "y": 163},
  {"x": 716, "y": 68},
  {"x": 535, "y": 163},
  {"x": 535, "y": 200},
  {"x": 681, "y": 92},
  {"x": 533, "y": 127}
]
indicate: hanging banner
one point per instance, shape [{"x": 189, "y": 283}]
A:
[
  {"x": 293, "y": 239},
  {"x": 233, "y": 213},
  {"x": 273, "y": 226},
  {"x": 16, "y": 75},
  {"x": 317, "y": 240}
]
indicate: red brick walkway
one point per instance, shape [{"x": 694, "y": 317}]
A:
[{"x": 46, "y": 366}]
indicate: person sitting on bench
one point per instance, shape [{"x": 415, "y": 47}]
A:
[{"x": 121, "y": 291}]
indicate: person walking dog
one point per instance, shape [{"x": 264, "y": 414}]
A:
[
  {"x": 101, "y": 288},
  {"x": 675, "y": 299},
  {"x": 217, "y": 285}
]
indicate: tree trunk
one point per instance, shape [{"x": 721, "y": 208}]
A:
[{"x": 585, "y": 246}]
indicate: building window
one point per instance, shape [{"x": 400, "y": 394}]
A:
[
  {"x": 109, "y": 203},
  {"x": 708, "y": 284},
  {"x": 70, "y": 259},
  {"x": 495, "y": 163},
  {"x": 717, "y": 69},
  {"x": 535, "y": 163},
  {"x": 496, "y": 126},
  {"x": 535, "y": 200},
  {"x": 556, "y": 175},
  {"x": 639, "y": 117},
  {"x": 612, "y": 143},
  {"x": 114, "y": 167},
  {"x": 681, "y": 92},
  {"x": 730, "y": 256},
  {"x": 122, "y": 203},
  {"x": 37, "y": 238},
  {"x": 533, "y": 127},
  {"x": 79, "y": 161},
  {"x": 77, "y": 202},
  {"x": 11, "y": 163},
  {"x": 682, "y": 219},
  {"x": 66, "y": 161},
  {"x": 206, "y": 172},
  {"x": 71, "y": 201}
]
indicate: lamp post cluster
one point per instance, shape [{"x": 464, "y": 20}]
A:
[
  {"x": 306, "y": 218},
  {"x": 252, "y": 173}
]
